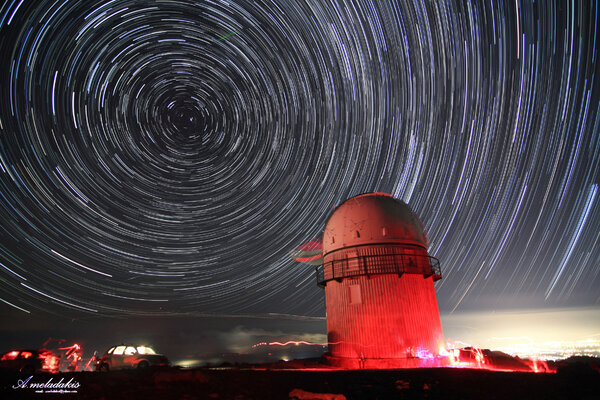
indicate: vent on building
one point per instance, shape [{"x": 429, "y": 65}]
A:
[{"x": 354, "y": 292}]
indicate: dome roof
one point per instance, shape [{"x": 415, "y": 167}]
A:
[{"x": 373, "y": 218}]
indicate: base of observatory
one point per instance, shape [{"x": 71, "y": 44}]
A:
[{"x": 384, "y": 363}]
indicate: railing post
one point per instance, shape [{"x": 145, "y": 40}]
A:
[
  {"x": 401, "y": 263},
  {"x": 361, "y": 265}
]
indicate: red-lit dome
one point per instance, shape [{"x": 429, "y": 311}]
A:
[{"x": 372, "y": 218}]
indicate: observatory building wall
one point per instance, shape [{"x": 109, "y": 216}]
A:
[{"x": 383, "y": 316}]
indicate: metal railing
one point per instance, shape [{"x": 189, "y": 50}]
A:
[{"x": 400, "y": 263}]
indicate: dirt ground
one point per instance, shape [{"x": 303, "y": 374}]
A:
[{"x": 570, "y": 382}]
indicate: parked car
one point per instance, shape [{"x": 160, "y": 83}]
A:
[
  {"x": 130, "y": 356},
  {"x": 30, "y": 361}
]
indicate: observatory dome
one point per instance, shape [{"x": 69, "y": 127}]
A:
[{"x": 373, "y": 218}]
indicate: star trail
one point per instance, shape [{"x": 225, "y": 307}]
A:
[{"x": 164, "y": 157}]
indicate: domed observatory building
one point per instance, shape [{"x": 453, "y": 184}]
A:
[{"x": 378, "y": 278}]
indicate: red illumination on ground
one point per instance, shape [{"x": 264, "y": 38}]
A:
[
  {"x": 51, "y": 361},
  {"x": 465, "y": 357},
  {"x": 469, "y": 357},
  {"x": 475, "y": 358},
  {"x": 541, "y": 366}
]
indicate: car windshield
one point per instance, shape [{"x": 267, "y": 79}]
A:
[
  {"x": 145, "y": 350},
  {"x": 119, "y": 350}
]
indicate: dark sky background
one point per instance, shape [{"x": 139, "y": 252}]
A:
[{"x": 159, "y": 160}]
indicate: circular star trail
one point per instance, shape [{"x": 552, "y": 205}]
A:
[{"x": 164, "y": 157}]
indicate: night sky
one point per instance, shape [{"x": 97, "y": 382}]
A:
[{"x": 164, "y": 158}]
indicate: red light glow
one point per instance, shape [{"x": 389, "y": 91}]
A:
[
  {"x": 10, "y": 356},
  {"x": 294, "y": 342},
  {"x": 475, "y": 358},
  {"x": 463, "y": 357},
  {"x": 72, "y": 353},
  {"x": 51, "y": 361},
  {"x": 88, "y": 365}
]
